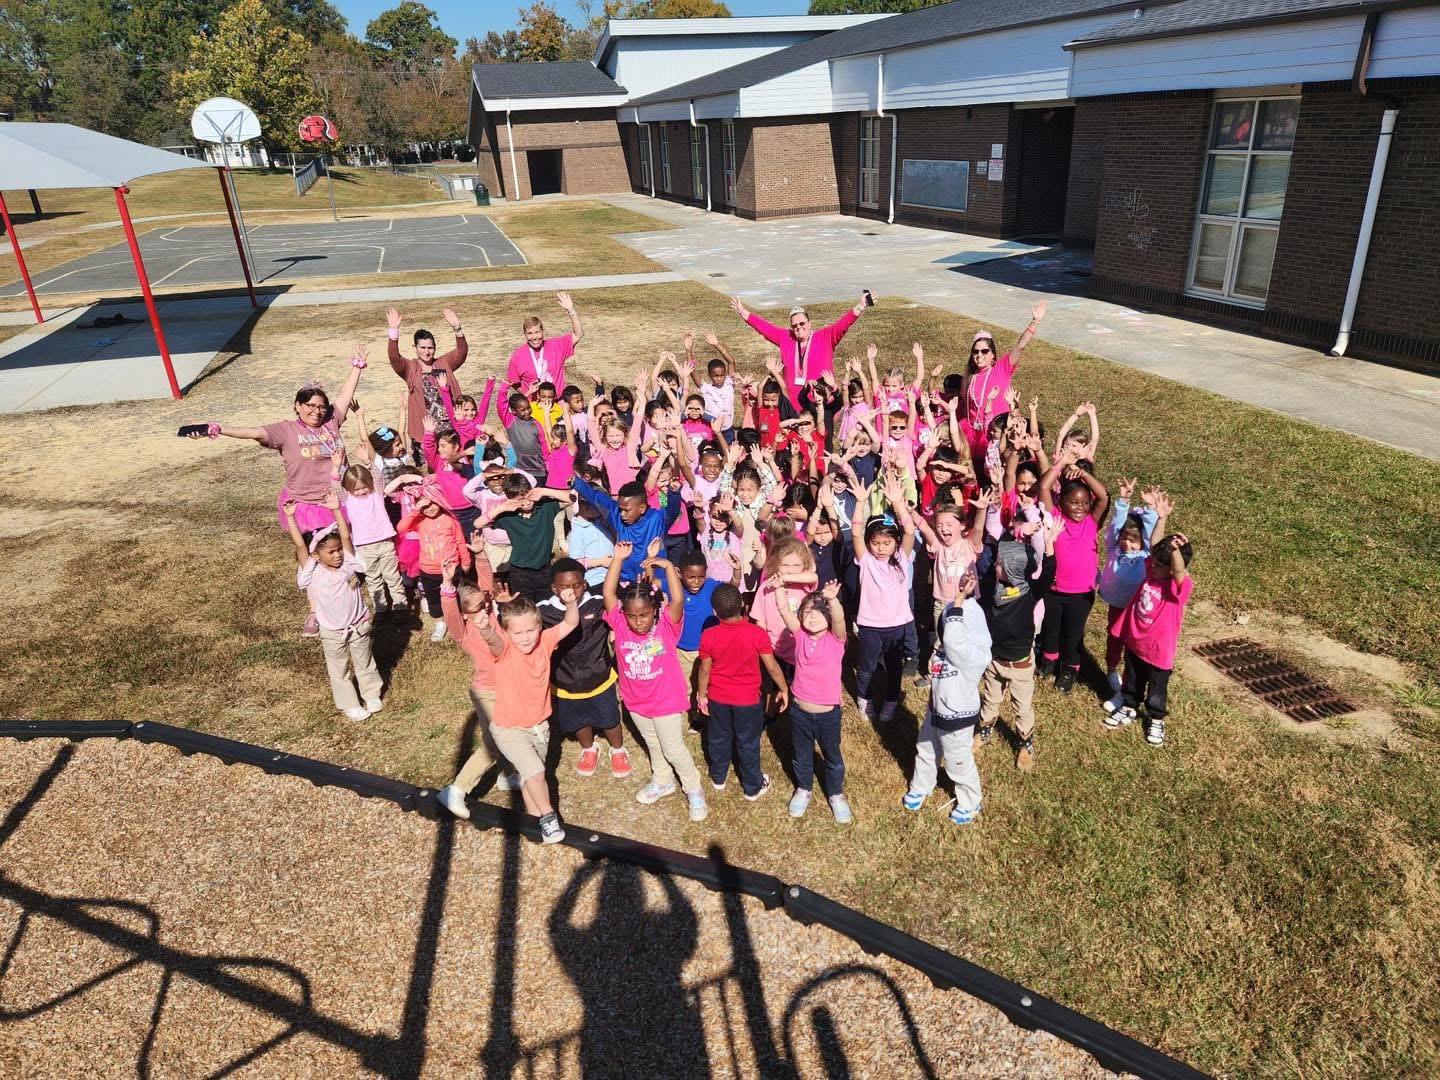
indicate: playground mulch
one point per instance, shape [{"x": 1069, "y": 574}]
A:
[{"x": 175, "y": 916}]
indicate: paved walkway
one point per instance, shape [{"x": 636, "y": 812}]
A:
[{"x": 832, "y": 257}]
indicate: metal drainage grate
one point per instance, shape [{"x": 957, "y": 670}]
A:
[
  {"x": 718, "y": 273},
  {"x": 1274, "y": 680}
]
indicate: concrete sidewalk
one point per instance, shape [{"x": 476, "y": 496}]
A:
[{"x": 831, "y": 257}]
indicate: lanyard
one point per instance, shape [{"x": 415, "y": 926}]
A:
[
  {"x": 542, "y": 369},
  {"x": 802, "y": 359}
]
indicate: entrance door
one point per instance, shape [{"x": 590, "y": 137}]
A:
[
  {"x": 545, "y": 172},
  {"x": 1044, "y": 170}
]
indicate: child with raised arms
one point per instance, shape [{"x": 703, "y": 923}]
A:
[
  {"x": 885, "y": 557},
  {"x": 1150, "y": 629},
  {"x": 631, "y": 519},
  {"x": 1127, "y": 554},
  {"x": 372, "y": 532},
  {"x": 1081, "y": 507},
  {"x": 818, "y": 628}
]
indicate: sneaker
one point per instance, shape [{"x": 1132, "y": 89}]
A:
[
  {"x": 1065, "y": 678},
  {"x": 799, "y": 802},
  {"x": 764, "y": 787},
  {"x": 913, "y": 800},
  {"x": 357, "y": 714},
  {"x": 1114, "y": 703},
  {"x": 311, "y": 627},
  {"x": 550, "y": 830},
  {"x": 619, "y": 762},
  {"x": 982, "y": 738},
  {"x": 1113, "y": 678},
  {"x": 1156, "y": 735},
  {"x": 963, "y": 817},
  {"x": 507, "y": 781},
  {"x": 1025, "y": 756},
  {"x": 1120, "y": 717},
  {"x": 698, "y": 810},
  {"x": 840, "y": 807},
  {"x": 718, "y": 785},
  {"x": 863, "y": 706},
  {"x": 589, "y": 758},
  {"x": 373, "y": 704},
  {"x": 453, "y": 799},
  {"x": 438, "y": 634},
  {"x": 1044, "y": 667},
  {"x": 653, "y": 792},
  {"x": 887, "y": 712}
]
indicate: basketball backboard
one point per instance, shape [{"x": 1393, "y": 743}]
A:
[{"x": 224, "y": 120}]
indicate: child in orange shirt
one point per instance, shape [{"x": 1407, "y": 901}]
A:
[{"x": 441, "y": 541}]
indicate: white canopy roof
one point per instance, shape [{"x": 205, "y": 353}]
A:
[{"x": 66, "y": 156}]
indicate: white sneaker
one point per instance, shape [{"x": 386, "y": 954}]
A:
[
  {"x": 863, "y": 705},
  {"x": 1114, "y": 703},
  {"x": 453, "y": 799},
  {"x": 508, "y": 781},
  {"x": 799, "y": 802},
  {"x": 840, "y": 807},
  {"x": 374, "y": 704},
  {"x": 698, "y": 810},
  {"x": 550, "y": 830},
  {"x": 653, "y": 792},
  {"x": 438, "y": 633},
  {"x": 357, "y": 714}
]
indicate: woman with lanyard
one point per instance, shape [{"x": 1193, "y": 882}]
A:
[
  {"x": 424, "y": 375},
  {"x": 313, "y": 452},
  {"x": 987, "y": 381},
  {"x": 542, "y": 359},
  {"x": 806, "y": 353}
]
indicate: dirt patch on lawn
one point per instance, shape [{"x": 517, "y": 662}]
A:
[{"x": 174, "y": 916}]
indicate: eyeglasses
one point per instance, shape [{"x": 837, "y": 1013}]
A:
[
  {"x": 981, "y": 352},
  {"x": 798, "y": 325}
]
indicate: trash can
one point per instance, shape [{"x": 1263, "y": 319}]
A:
[{"x": 482, "y": 195}]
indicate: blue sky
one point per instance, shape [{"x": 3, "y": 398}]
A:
[{"x": 466, "y": 18}]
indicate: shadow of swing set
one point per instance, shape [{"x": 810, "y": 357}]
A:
[{"x": 615, "y": 865}]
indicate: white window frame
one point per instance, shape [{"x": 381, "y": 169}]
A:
[
  {"x": 665, "y": 159},
  {"x": 645, "y": 166},
  {"x": 1239, "y": 224},
  {"x": 869, "y": 150},
  {"x": 727, "y": 158},
  {"x": 697, "y": 163}
]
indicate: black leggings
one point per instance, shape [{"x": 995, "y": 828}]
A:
[
  {"x": 1063, "y": 630},
  {"x": 1146, "y": 684},
  {"x": 430, "y": 584}
]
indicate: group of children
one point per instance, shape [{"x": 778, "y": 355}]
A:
[{"x": 635, "y": 550}]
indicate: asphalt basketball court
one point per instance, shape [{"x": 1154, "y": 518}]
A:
[{"x": 204, "y": 255}]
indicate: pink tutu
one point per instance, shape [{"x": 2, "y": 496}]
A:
[
  {"x": 407, "y": 554},
  {"x": 309, "y": 516}
]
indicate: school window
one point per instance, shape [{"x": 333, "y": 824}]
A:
[
  {"x": 727, "y": 158},
  {"x": 645, "y": 156},
  {"x": 870, "y": 161},
  {"x": 697, "y": 163},
  {"x": 1246, "y": 171},
  {"x": 665, "y": 158}
]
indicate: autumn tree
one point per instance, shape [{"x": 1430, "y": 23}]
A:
[
  {"x": 251, "y": 56},
  {"x": 409, "y": 35},
  {"x": 544, "y": 34}
]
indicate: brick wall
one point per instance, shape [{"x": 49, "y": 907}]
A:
[
  {"x": 793, "y": 168},
  {"x": 1087, "y": 160},
  {"x": 594, "y": 158},
  {"x": 1150, "y": 180},
  {"x": 958, "y": 134},
  {"x": 745, "y": 172}
]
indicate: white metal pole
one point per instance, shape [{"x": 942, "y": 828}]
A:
[
  {"x": 514, "y": 171},
  {"x": 1367, "y": 226},
  {"x": 235, "y": 197}
]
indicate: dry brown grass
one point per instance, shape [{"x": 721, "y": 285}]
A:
[{"x": 1248, "y": 898}]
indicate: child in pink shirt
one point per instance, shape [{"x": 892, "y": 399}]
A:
[
  {"x": 466, "y": 417},
  {"x": 885, "y": 561},
  {"x": 818, "y": 628},
  {"x": 1081, "y": 507},
  {"x": 330, "y": 573},
  {"x": 1150, "y": 629}
]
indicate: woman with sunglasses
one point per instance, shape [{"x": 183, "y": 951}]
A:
[
  {"x": 987, "y": 380},
  {"x": 806, "y": 352}
]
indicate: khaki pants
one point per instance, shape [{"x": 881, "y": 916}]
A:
[
  {"x": 561, "y": 544},
  {"x": 345, "y": 649},
  {"x": 499, "y": 556},
  {"x": 1020, "y": 681},
  {"x": 382, "y": 572},
  {"x": 484, "y": 755},
  {"x": 669, "y": 756},
  {"x": 687, "y": 666},
  {"x": 524, "y": 747}
]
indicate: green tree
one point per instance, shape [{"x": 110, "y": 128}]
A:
[
  {"x": 494, "y": 48},
  {"x": 252, "y": 57},
  {"x": 26, "y": 75},
  {"x": 544, "y": 34},
  {"x": 409, "y": 34},
  {"x": 314, "y": 20}
]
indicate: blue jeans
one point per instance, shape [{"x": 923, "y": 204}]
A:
[
  {"x": 806, "y": 729},
  {"x": 888, "y": 646},
  {"x": 737, "y": 726}
]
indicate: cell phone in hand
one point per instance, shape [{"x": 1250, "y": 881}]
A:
[
  {"x": 869, "y": 298},
  {"x": 599, "y": 388},
  {"x": 187, "y": 430}
]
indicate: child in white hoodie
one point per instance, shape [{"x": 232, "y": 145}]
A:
[{"x": 960, "y": 659}]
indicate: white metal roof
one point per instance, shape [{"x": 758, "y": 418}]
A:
[{"x": 66, "y": 156}]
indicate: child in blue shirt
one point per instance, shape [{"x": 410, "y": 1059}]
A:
[
  {"x": 1127, "y": 550},
  {"x": 699, "y": 610},
  {"x": 632, "y": 520}
]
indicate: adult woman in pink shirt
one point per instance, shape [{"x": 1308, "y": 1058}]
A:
[
  {"x": 542, "y": 359},
  {"x": 987, "y": 381},
  {"x": 806, "y": 353}
]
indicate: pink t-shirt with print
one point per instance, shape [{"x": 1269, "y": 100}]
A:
[
  {"x": 885, "y": 590},
  {"x": 651, "y": 681},
  {"x": 1150, "y": 625},
  {"x": 950, "y": 566},
  {"x": 337, "y": 595},
  {"x": 306, "y": 452}
]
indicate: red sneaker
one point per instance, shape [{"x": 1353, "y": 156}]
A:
[
  {"x": 589, "y": 758},
  {"x": 619, "y": 762}
]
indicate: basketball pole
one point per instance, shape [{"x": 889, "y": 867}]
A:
[
  {"x": 234, "y": 199},
  {"x": 239, "y": 245},
  {"x": 19, "y": 258},
  {"x": 145, "y": 289},
  {"x": 330, "y": 183}
]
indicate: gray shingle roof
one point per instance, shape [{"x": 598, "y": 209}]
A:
[
  {"x": 1200, "y": 16},
  {"x": 958, "y": 19},
  {"x": 566, "y": 78}
]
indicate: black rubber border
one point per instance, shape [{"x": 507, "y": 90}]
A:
[{"x": 1024, "y": 1008}]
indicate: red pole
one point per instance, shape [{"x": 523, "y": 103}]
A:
[
  {"x": 235, "y": 228},
  {"x": 19, "y": 258},
  {"x": 145, "y": 288}
]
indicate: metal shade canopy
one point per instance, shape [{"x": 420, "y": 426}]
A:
[{"x": 66, "y": 156}]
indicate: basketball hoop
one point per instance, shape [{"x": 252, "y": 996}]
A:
[
  {"x": 224, "y": 120},
  {"x": 320, "y": 129}
]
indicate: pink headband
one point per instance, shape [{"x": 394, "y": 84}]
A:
[
  {"x": 433, "y": 492},
  {"x": 321, "y": 534}
]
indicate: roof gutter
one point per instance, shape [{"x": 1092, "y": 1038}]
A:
[
  {"x": 894, "y": 128},
  {"x": 1372, "y": 195}
]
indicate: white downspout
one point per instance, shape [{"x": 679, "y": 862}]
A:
[
  {"x": 894, "y": 129},
  {"x": 693, "y": 124},
  {"x": 1367, "y": 226},
  {"x": 510, "y": 138}
]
